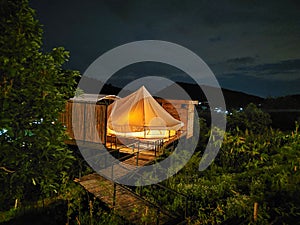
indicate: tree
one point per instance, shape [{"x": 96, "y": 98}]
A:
[
  {"x": 251, "y": 118},
  {"x": 33, "y": 90}
]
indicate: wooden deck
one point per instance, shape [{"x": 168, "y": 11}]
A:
[
  {"x": 134, "y": 155},
  {"x": 124, "y": 202}
]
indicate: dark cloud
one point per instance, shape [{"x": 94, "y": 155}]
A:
[
  {"x": 120, "y": 7},
  {"x": 143, "y": 69},
  {"x": 228, "y": 35},
  {"x": 215, "y": 39},
  {"x": 281, "y": 67},
  {"x": 260, "y": 87},
  {"x": 241, "y": 60}
]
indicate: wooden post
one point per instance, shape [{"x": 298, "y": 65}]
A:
[
  {"x": 173, "y": 145},
  {"x": 146, "y": 212},
  {"x": 114, "y": 195},
  {"x": 91, "y": 212},
  {"x": 16, "y": 203},
  {"x": 111, "y": 141},
  {"x": 157, "y": 216},
  {"x": 80, "y": 170},
  {"x": 186, "y": 207},
  {"x": 137, "y": 154},
  {"x": 255, "y": 207},
  {"x": 112, "y": 171},
  {"x": 137, "y": 158},
  {"x": 105, "y": 124}
]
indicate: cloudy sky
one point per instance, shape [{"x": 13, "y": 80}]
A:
[{"x": 251, "y": 46}]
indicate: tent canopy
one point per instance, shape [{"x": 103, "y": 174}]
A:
[{"x": 140, "y": 115}]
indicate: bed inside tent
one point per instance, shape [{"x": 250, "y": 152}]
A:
[{"x": 139, "y": 115}]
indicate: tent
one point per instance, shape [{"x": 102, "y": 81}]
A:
[{"x": 140, "y": 115}]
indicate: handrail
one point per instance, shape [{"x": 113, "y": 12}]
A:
[
  {"x": 186, "y": 197},
  {"x": 172, "y": 190},
  {"x": 176, "y": 193},
  {"x": 147, "y": 201}
]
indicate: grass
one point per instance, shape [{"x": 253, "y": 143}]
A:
[{"x": 52, "y": 214}]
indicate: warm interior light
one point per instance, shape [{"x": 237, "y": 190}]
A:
[
  {"x": 140, "y": 116},
  {"x": 144, "y": 134}
]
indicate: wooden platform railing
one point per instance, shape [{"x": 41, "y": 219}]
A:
[{"x": 135, "y": 143}]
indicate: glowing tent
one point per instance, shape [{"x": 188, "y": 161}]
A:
[{"x": 140, "y": 115}]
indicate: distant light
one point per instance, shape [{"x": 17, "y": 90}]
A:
[
  {"x": 218, "y": 110},
  {"x": 3, "y": 131},
  {"x": 38, "y": 122},
  {"x": 241, "y": 109}
]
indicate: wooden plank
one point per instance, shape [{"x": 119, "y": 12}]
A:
[
  {"x": 77, "y": 120},
  {"x": 127, "y": 204},
  {"x": 190, "y": 121},
  {"x": 79, "y": 117}
]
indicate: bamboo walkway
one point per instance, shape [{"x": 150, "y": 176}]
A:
[
  {"x": 124, "y": 202},
  {"x": 120, "y": 198}
]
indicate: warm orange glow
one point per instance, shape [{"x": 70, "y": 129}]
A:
[
  {"x": 144, "y": 134},
  {"x": 139, "y": 115}
]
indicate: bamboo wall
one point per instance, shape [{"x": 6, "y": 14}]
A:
[
  {"x": 182, "y": 110},
  {"x": 78, "y": 118}
]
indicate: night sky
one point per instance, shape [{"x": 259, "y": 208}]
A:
[{"x": 251, "y": 46}]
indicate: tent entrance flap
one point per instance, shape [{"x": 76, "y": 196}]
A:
[{"x": 140, "y": 115}]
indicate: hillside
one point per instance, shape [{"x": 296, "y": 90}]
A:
[{"x": 232, "y": 98}]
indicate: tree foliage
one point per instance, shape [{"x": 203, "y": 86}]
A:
[
  {"x": 250, "y": 168},
  {"x": 33, "y": 92},
  {"x": 251, "y": 118}
]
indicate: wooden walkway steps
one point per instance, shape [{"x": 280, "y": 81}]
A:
[
  {"x": 124, "y": 202},
  {"x": 118, "y": 197}
]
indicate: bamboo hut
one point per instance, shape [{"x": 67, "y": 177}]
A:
[{"x": 80, "y": 111}]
